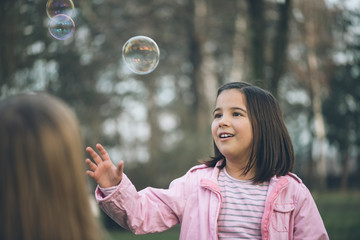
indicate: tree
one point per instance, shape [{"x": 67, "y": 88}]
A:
[
  {"x": 342, "y": 108},
  {"x": 314, "y": 39}
]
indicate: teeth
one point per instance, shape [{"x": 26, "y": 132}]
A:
[{"x": 225, "y": 135}]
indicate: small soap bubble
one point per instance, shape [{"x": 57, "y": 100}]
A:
[
  {"x": 61, "y": 27},
  {"x": 141, "y": 54},
  {"x": 56, "y": 7}
]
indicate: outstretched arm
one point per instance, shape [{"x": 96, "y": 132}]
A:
[{"x": 102, "y": 170}]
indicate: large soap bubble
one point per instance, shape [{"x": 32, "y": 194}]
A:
[
  {"x": 141, "y": 54},
  {"x": 56, "y": 7},
  {"x": 61, "y": 27}
]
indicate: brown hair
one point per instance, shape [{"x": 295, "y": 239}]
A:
[
  {"x": 272, "y": 150},
  {"x": 43, "y": 185}
]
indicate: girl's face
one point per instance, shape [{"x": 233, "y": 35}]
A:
[{"x": 231, "y": 127}]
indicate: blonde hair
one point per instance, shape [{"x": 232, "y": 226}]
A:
[{"x": 43, "y": 184}]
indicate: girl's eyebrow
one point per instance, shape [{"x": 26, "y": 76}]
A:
[{"x": 233, "y": 108}]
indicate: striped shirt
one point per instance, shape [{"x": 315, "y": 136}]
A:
[{"x": 242, "y": 208}]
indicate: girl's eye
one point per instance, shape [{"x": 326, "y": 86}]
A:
[
  {"x": 218, "y": 115},
  {"x": 237, "y": 114}
]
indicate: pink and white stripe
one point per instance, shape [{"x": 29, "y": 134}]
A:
[{"x": 242, "y": 208}]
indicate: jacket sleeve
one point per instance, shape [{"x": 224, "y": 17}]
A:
[
  {"x": 308, "y": 223},
  {"x": 147, "y": 211}
]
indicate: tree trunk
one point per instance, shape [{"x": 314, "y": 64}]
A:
[
  {"x": 8, "y": 39},
  {"x": 312, "y": 28},
  {"x": 153, "y": 113},
  {"x": 257, "y": 39},
  {"x": 279, "y": 54},
  {"x": 205, "y": 79},
  {"x": 345, "y": 169},
  {"x": 319, "y": 123},
  {"x": 346, "y": 159},
  {"x": 238, "y": 61},
  {"x": 310, "y": 178}
]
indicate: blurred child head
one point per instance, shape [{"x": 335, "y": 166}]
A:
[{"x": 43, "y": 187}]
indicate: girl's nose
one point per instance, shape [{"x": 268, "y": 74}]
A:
[{"x": 223, "y": 122}]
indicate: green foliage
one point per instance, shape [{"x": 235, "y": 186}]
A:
[{"x": 342, "y": 105}]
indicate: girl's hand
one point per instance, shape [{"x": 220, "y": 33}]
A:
[{"x": 103, "y": 171}]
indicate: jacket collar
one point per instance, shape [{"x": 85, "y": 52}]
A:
[{"x": 212, "y": 182}]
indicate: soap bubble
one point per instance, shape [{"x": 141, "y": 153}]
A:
[
  {"x": 56, "y": 7},
  {"x": 61, "y": 27},
  {"x": 141, "y": 54}
]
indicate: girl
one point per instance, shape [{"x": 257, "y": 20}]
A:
[
  {"x": 43, "y": 190},
  {"x": 246, "y": 191}
]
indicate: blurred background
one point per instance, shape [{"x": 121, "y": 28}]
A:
[{"x": 307, "y": 53}]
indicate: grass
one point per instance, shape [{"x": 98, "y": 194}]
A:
[
  {"x": 171, "y": 234},
  {"x": 340, "y": 212}
]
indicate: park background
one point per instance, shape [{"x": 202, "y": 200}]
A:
[{"x": 306, "y": 52}]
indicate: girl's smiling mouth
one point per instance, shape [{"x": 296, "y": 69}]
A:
[{"x": 225, "y": 135}]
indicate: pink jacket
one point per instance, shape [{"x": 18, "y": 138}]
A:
[{"x": 194, "y": 201}]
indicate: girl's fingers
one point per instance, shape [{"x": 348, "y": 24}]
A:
[
  {"x": 103, "y": 152},
  {"x": 94, "y": 155},
  {"x": 90, "y": 173},
  {"x": 120, "y": 168},
  {"x": 90, "y": 164}
]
